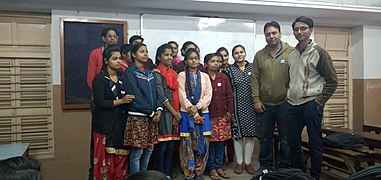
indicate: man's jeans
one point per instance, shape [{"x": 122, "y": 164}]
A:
[
  {"x": 308, "y": 114},
  {"x": 139, "y": 158},
  {"x": 267, "y": 119}
]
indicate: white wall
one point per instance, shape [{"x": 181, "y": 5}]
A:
[
  {"x": 372, "y": 56},
  {"x": 358, "y": 52},
  {"x": 366, "y": 52},
  {"x": 133, "y": 28}
]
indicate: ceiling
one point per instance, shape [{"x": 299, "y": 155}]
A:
[{"x": 324, "y": 14}]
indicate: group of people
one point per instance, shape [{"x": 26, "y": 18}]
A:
[{"x": 195, "y": 110}]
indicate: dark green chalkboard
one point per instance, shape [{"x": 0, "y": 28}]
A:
[{"x": 78, "y": 38}]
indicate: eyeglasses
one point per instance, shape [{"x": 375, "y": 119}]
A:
[{"x": 301, "y": 28}]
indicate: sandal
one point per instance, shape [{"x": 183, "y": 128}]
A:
[
  {"x": 222, "y": 174},
  {"x": 214, "y": 175}
]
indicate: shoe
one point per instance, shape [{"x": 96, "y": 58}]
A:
[
  {"x": 259, "y": 173},
  {"x": 249, "y": 168},
  {"x": 238, "y": 168}
]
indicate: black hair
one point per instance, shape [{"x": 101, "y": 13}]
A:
[
  {"x": 133, "y": 38},
  {"x": 20, "y": 163},
  {"x": 209, "y": 56},
  {"x": 160, "y": 50},
  {"x": 107, "y": 53},
  {"x": 173, "y": 42},
  {"x": 219, "y": 50},
  {"x": 107, "y": 29},
  {"x": 125, "y": 48},
  {"x": 305, "y": 20},
  {"x": 135, "y": 49},
  {"x": 189, "y": 52},
  {"x": 186, "y": 44},
  {"x": 271, "y": 24},
  {"x": 20, "y": 168},
  {"x": 189, "y": 90},
  {"x": 237, "y": 46},
  {"x": 147, "y": 175}
]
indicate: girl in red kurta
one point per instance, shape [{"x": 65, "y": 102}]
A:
[{"x": 221, "y": 110}]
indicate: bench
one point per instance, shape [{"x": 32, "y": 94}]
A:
[
  {"x": 371, "y": 128},
  {"x": 372, "y": 140},
  {"x": 347, "y": 160},
  {"x": 344, "y": 160},
  {"x": 375, "y": 129}
]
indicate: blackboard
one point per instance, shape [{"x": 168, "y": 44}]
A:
[{"x": 78, "y": 38}]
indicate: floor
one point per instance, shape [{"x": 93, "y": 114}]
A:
[{"x": 229, "y": 169}]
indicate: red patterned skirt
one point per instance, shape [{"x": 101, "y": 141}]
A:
[
  {"x": 221, "y": 129},
  {"x": 140, "y": 132},
  {"x": 109, "y": 162}
]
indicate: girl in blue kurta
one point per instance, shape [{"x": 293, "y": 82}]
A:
[{"x": 195, "y": 92}]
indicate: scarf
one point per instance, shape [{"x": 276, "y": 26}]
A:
[
  {"x": 170, "y": 77},
  {"x": 114, "y": 89},
  {"x": 193, "y": 95}
]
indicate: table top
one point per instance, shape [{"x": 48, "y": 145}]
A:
[{"x": 13, "y": 150}]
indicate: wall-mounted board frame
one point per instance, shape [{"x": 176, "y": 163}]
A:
[{"x": 78, "y": 37}]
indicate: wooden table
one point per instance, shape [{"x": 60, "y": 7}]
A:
[{"x": 14, "y": 150}]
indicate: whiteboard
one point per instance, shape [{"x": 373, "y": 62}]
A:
[{"x": 208, "y": 33}]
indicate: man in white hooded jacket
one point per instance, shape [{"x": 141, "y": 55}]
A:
[{"x": 313, "y": 80}]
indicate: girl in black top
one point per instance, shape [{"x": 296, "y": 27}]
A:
[{"x": 108, "y": 118}]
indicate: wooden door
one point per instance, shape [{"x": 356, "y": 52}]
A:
[{"x": 338, "y": 110}]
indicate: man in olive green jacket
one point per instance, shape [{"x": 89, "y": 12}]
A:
[{"x": 269, "y": 83}]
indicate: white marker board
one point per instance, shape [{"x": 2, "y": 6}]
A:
[{"x": 208, "y": 33}]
